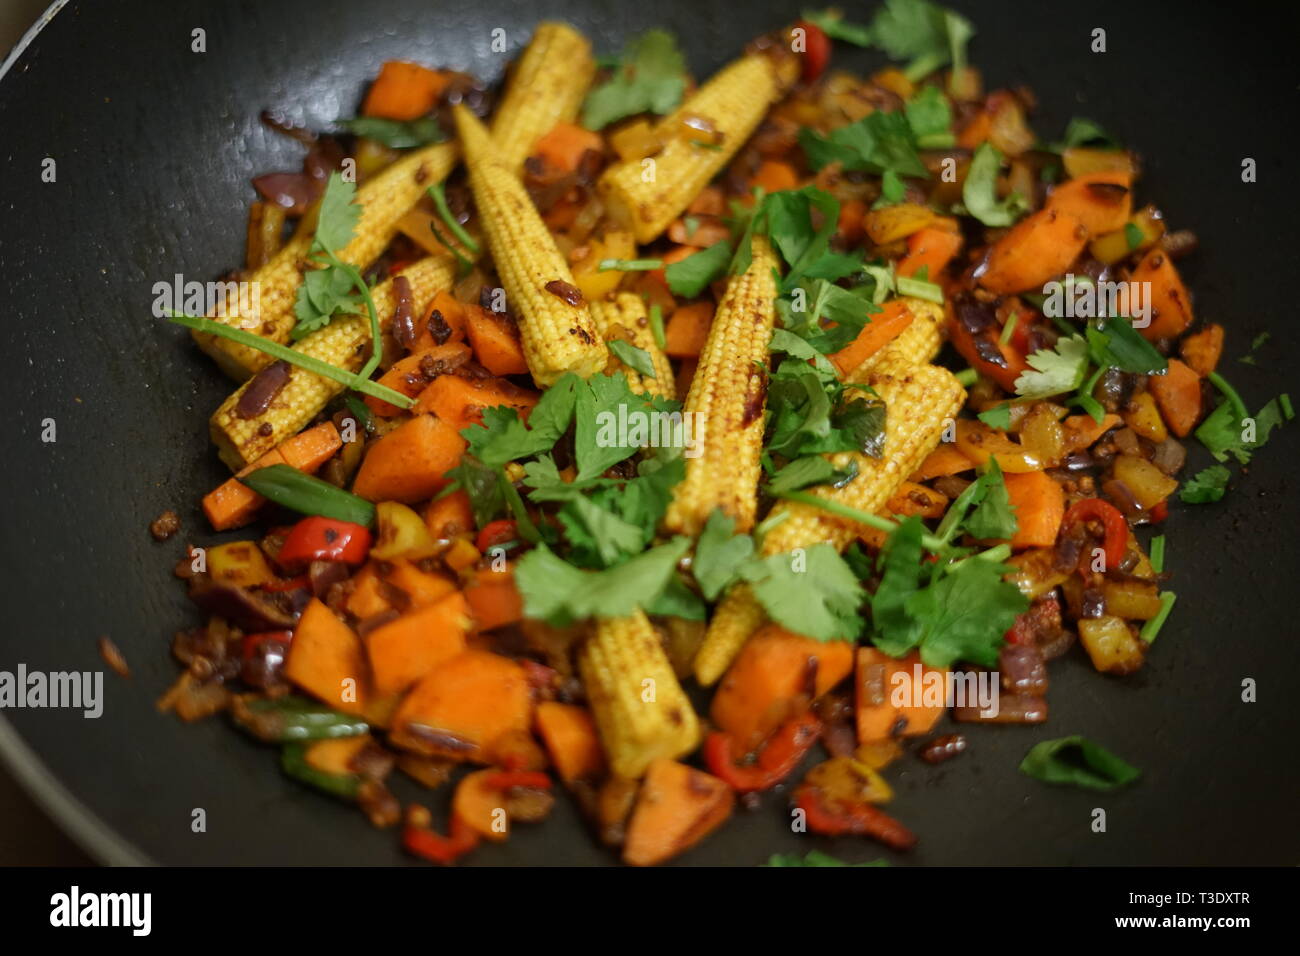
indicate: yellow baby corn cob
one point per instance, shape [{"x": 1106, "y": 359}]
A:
[
  {"x": 641, "y": 712},
  {"x": 919, "y": 402},
  {"x": 916, "y": 345},
  {"x": 646, "y": 195},
  {"x": 383, "y": 198},
  {"x": 557, "y": 336},
  {"x": 546, "y": 86},
  {"x": 343, "y": 343},
  {"x": 625, "y": 318},
  {"x": 727, "y": 398}
]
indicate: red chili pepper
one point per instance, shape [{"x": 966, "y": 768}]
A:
[
  {"x": 433, "y": 846},
  {"x": 776, "y": 761},
  {"x": 506, "y": 779},
  {"x": 501, "y": 531},
  {"x": 840, "y": 819},
  {"x": 324, "y": 539},
  {"x": 817, "y": 50},
  {"x": 1115, "y": 541},
  {"x": 288, "y": 584},
  {"x": 252, "y": 640},
  {"x": 1160, "y": 512}
]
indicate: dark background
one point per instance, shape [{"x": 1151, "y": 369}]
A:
[{"x": 155, "y": 145}]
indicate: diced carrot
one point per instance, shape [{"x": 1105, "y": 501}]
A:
[
  {"x": 1171, "y": 306},
  {"x": 367, "y": 598},
  {"x": 460, "y": 401},
  {"x": 910, "y": 499},
  {"x": 852, "y": 217},
  {"x": 675, "y": 254},
  {"x": 946, "y": 459},
  {"x": 570, "y": 737},
  {"x": 1102, "y": 201},
  {"x": 480, "y": 806},
  {"x": 326, "y": 659},
  {"x": 452, "y": 311},
  {"x": 408, "y": 375},
  {"x": 494, "y": 601},
  {"x": 775, "y": 176},
  {"x": 233, "y": 504},
  {"x": 449, "y": 515},
  {"x": 422, "y": 587},
  {"x": 1178, "y": 393},
  {"x": 496, "y": 341},
  {"x": 884, "y": 688},
  {"x": 464, "y": 706},
  {"x": 405, "y": 650},
  {"x": 1037, "y": 249},
  {"x": 1202, "y": 350},
  {"x": 1040, "y": 505},
  {"x": 688, "y": 330},
  {"x": 767, "y": 684},
  {"x": 931, "y": 248},
  {"x": 677, "y": 807},
  {"x": 563, "y": 147},
  {"x": 976, "y": 131},
  {"x": 885, "y": 326},
  {"x": 404, "y": 91},
  {"x": 410, "y": 463}
]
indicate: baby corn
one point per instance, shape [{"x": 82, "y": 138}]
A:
[
  {"x": 384, "y": 198},
  {"x": 915, "y": 345},
  {"x": 558, "y": 335},
  {"x": 646, "y": 195},
  {"x": 726, "y": 400},
  {"x": 919, "y": 401},
  {"x": 625, "y": 319},
  {"x": 343, "y": 343},
  {"x": 546, "y": 87},
  {"x": 641, "y": 712}
]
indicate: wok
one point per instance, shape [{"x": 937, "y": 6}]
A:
[{"x": 155, "y": 145}]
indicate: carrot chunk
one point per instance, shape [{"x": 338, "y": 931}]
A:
[
  {"x": 410, "y": 463},
  {"x": 404, "y": 91}
]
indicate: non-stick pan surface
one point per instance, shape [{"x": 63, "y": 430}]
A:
[{"x": 154, "y": 146}]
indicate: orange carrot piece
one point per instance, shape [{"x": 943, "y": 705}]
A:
[
  {"x": 1082, "y": 430},
  {"x": 1040, "y": 505},
  {"x": 563, "y": 147},
  {"x": 767, "y": 684},
  {"x": 407, "y": 375},
  {"x": 880, "y": 683},
  {"x": 1178, "y": 393},
  {"x": 1202, "y": 350},
  {"x": 405, "y": 650},
  {"x": 449, "y": 515},
  {"x": 1037, "y": 249},
  {"x": 1102, "y": 201},
  {"x": 464, "y": 706},
  {"x": 327, "y": 660},
  {"x": 570, "y": 737},
  {"x": 410, "y": 463},
  {"x": 404, "y": 91},
  {"x": 496, "y": 342},
  {"x": 976, "y": 131},
  {"x": 1171, "y": 306},
  {"x": 851, "y": 225},
  {"x": 494, "y": 601},
  {"x": 233, "y": 504},
  {"x": 422, "y": 587},
  {"x": 885, "y": 326},
  {"x": 775, "y": 176},
  {"x": 688, "y": 330},
  {"x": 677, "y": 807},
  {"x": 460, "y": 401},
  {"x": 452, "y": 311},
  {"x": 931, "y": 249},
  {"x": 367, "y": 597},
  {"x": 946, "y": 459},
  {"x": 911, "y": 498},
  {"x": 480, "y": 806}
]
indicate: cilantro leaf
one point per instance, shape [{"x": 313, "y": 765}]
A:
[
  {"x": 895, "y": 630},
  {"x": 323, "y": 294},
  {"x": 979, "y": 191},
  {"x": 599, "y": 538},
  {"x": 503, "y": 437},
  {"x": 930, "y": 117},
  {"x": 634, "y": 358},
  {"x": 815, "y": 858},
  {"x": 603, "y": 404},
  {"x": 1084, "y": 132},
  {"x": 689, "y": 277},
  {"x": 1114, "y": 343},
  {"x": 338, "y": 216},
  {"x": 994, "y": 515},
  {"x": 1224, "y": 434},
  {"x": 927, "y": 35},
  {"x": 480, "y": 482},
  {"x": 1077, "y": 761},
  {"x": 815, "y": 594},
  {"x": 719, "y": 553},
  {"x": 999, "y": 416},
  {"x": 837, "y": 28},
  {"x": 649, "y": 77},
  {"x": 1054, "y": 371},
  {"x": 678, "y": 600},
  {"x": 803, "y": 472},
  {"x": 878, "y": 142},
  {"x": 1209, "y": 484},
  {"x": 396, "y": 134}
]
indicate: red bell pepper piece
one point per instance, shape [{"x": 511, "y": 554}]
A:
[
  {"x": 1160, "y": 512},
  {"x": 502, "y": 531},
  {"x": 324, "y": 539},
  {"x": 817, "y": 51},
  {"x": 776, "y": 761},
  {"x": 840, "y": 819},
  {"x": 963, "y": 340},
  {"x": 433, "y": 846},
  {"x": 1115, "y": 540}
]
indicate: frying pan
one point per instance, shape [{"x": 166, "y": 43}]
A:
[{"x": 154, "y": 146}]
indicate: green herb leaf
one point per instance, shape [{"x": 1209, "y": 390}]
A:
[
  {"x": 1084, "y": 132},
  {"x": 689, "y": 277},
  {"x": 815, "y": 594},
  {"x": 878, "y": 142},
  {"x": 1210, "y": 484},
  {"x": 1077, "y": 761},
  {"x": 394, "y": 133},
  {"x": 994, "y": 515},
  {"x": 804, "y": 472},
  {"x": 815, "y": 858},
  {"x": 296, "y": 491},
  {"x": 719, "y": 553},
  {"x": 1114, "y": 343},
  {"x": 1157, "y": 555},
  {"x": 1054, "y": 371},
  {"x": 927, "y": 35},
  {"x": 503, "y": 437},
  {"x": 837, "y": 28},
  {"x": 979, "y": 191},
  {"x": 634, "y": 358},
  {"x": 999, "y": 416},
  {"x": 650, "y": 77},
  {"x": 339, "y": 214}
]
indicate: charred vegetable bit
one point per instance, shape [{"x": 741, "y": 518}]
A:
[{"x": 293, "y": 718}]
